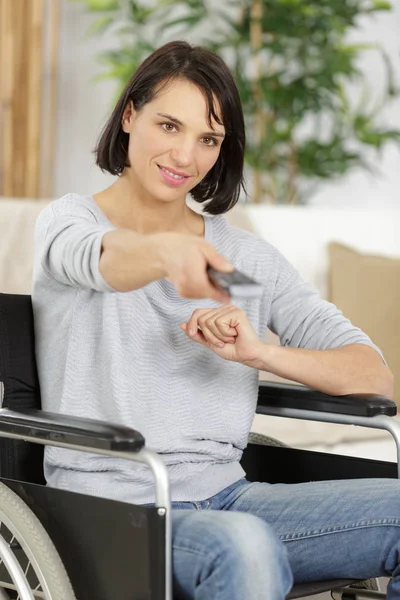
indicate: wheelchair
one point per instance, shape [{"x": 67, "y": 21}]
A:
[{"x": 62, "y": 545}]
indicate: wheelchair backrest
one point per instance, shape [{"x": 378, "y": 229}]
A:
[{"x": 21, "y": 390}]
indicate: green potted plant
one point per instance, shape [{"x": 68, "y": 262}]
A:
[{"x": 292, "y": 64}]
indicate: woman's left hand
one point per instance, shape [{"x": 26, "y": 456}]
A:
[{"x": 226, "y": 331}]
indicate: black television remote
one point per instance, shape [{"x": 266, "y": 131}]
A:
[{"x": 235, "y": 283}]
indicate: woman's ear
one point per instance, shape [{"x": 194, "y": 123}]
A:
[{"x": 128, "y": 117}]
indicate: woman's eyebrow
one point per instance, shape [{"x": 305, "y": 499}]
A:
[{"x": 178, "y": 122}]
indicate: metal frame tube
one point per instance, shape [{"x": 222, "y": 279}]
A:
[
  {"x": 356, "y": 594},
  {"x": 161, "y": 483},
  {"x": 390, "y": 424},
  {"x": 163, "y": 501},
  {"x": 160, "y": 473}
]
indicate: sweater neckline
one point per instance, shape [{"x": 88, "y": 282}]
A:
[{"x": 206, "y": 218}]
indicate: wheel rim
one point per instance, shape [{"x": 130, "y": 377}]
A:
[{"x": 32, "y": 571}]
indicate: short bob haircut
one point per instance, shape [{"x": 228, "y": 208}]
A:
[{"x": 197, "y": 64}]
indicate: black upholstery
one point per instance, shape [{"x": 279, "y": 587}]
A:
[
  {"x": 22, "y": 461},
  {"x": 288, "y": 395},
  {"x": 18, "y": 459}
]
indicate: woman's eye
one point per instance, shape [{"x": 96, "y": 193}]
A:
[
  {"x": 168, "y": 126},
  {"x": 209, "y": 141}
]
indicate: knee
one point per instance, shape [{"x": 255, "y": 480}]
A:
[
  {"x": 244, "y": 544},
  {"x": 247, "y": 539},
  {"x": 233, "y": 551}
]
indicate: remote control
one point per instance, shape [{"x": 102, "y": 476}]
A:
[{"x": 235, "y": 283}]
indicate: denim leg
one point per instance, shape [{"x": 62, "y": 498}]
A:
[
  {"x": 332, "y": 529},
  {"x": 227, "y": 556}
]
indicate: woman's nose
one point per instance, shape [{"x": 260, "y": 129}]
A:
[{"x": 183, "y": 153}]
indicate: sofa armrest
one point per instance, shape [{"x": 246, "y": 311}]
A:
[
  {"x": 37, "y": 425},
  {"x": 285, "y": 395}
]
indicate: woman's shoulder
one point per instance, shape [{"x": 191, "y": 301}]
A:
[
  {"x": 71, "y": 205},
  {"x": 75, "y": 204},
  {"x": 220, "y": 230}
]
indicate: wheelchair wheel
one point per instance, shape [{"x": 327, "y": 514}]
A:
[
  {"x": 264, "y": 440},
  {"x": 27, "y": 547}
]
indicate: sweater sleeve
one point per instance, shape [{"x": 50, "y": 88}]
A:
[
  {"x": 302, "y": 319},
  {"x": 68, "y": 239}
]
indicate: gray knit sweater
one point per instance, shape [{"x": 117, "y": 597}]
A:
[{"x": 122, "y": 357}]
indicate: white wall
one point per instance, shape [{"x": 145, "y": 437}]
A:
[
  {"x": 84, "y": 106},
  {"x": 360, "y": 189}
]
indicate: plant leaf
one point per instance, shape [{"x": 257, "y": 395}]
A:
[{"x": 100, "y": 25}]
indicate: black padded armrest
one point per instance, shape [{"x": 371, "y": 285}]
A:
[
  {"x": 286, "y": 395},
  {"x": 90, "y": 433}
]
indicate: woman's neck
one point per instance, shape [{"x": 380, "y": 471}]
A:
[{"x": 125, "y": 211}]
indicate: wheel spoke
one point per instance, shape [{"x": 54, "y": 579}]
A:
[
  {"x": 14, "y": 545},
  {"x": 23, "y": 568}
]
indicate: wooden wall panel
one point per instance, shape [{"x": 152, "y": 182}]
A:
[{"x": 28, "y": 51}]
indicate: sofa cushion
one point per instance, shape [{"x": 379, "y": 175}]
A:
[
  {"x": 17, "y": 226},
  {"x": 366, "y": 288}
]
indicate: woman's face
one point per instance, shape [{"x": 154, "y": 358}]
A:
[{"x": 171, "y": 146}]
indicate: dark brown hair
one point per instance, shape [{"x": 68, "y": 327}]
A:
[{"x": 205, "y": 69}]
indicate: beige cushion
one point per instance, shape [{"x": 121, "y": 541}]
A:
[
  {"x": 367, "y": 289},
  {"x": 17, "y": 226}
]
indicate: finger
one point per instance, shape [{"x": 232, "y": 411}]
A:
[
  {"x": 198, "y": 320},
  {"x": 205, "y": 320},
  {"x": 211, "y": 331},
  {"x": 220, "y": 263},
  {"x": 217, "y": 261},
  {"x": 194, "y": 282},
  {"x": 221, "y": 321},
  {"x": 223, "y": 327},
  {"x": 199, "y": 333},
  {"x": 219, "y": 296},
  {"x": 193, "y": 322},
  {"x": 226, "y": 319},
  {"x": 209, "y": 291},
  {"x": 199, "y": 338},
  {"x": 211, "y": 338},
  {"x": 197, "y": 330}
]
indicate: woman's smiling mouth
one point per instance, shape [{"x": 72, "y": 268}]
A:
[{"x": 173, "y": 177}]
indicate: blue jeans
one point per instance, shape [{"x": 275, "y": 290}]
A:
[{"x": 252, "y": 541}]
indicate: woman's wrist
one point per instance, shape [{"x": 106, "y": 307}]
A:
[{"x": 262, "y": 359}]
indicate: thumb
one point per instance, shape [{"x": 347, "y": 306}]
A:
[{"x": 219, "y": 262}]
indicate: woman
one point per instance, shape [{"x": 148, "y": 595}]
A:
[{"x": 136, "y": 334}]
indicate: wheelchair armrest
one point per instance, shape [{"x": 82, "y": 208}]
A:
[
  {"x": 90, "y": 433},
  {"x": 285, "y": 395}
]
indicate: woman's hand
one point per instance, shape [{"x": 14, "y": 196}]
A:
[
  {"x": 185, "y": 258},
  {"x": 226, "y": 331}
]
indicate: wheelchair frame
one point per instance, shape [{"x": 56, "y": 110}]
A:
[
  {"x": 283, "y": 400},
  {"x": 33, "y": 426}
]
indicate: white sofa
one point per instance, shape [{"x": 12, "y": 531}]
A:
[
  {"x": 17, "y": 222},
  {"x": 302, "y": 234}
]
